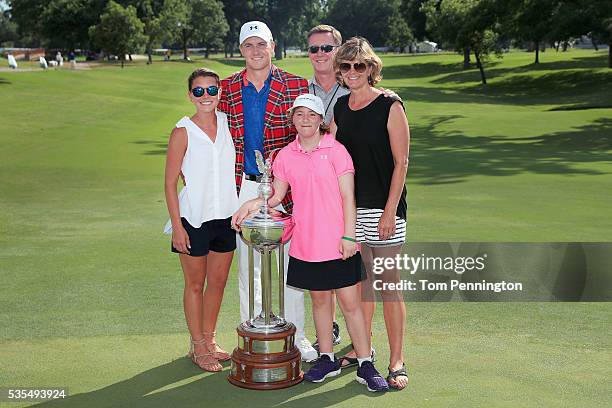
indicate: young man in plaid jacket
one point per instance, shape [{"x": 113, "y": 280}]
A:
[{"x": 256, "y": 100}]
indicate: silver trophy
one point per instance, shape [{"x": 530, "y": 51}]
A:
[
  {"x": 266, "y": 356},
  {"x": 264, "y": 231}
]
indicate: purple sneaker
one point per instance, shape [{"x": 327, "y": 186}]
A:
[
  {"x": 367, "y": 374},
  {"x": 322, "y": 369}
]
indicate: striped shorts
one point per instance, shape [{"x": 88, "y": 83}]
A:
[{"x": 367, "y": 228}]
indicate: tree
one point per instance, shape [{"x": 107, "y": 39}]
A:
[
  {"x": 568, "y": 20},
  {"x": 277, "y": 14},
  {"x": 119, "y": 32},
  {"x": 365, "y": 18},
  {"x": 298, "y": 26},
  {"x": 532, "y": 20},
  {"x": 204, "y": 24},
  {"x": 236, "y": 13},
  {"x": 161, "y": 21},
  {"x": 65, "y": 23},
  {"x": 467, "y": 24},
  {"x": 398, "y": 34},
  {"x": 209, "y": 18},
  {"x": 26, "y": 14},
  {"x": 8, "y": 30},
  {"x": 415, "y": 18},
  {"x": 600, "y": 25}
]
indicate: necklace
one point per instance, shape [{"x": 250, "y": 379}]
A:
[{"x": 314, "y": 91}]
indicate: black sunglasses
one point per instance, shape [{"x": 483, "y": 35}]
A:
[
  {"x": 359, "y": 67},
  {"x": 199, "y": 91},
  {"x": 325, "y": 48}
]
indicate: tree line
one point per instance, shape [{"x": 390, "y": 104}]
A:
[{"x": 478, "y": 28}]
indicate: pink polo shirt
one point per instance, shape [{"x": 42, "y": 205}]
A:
[{"x": 317, "y": 203}]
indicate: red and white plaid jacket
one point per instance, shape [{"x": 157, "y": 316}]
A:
[{"x": 284, "y": 88}]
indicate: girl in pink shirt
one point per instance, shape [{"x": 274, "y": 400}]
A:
[{"x": 323, "y": 256}]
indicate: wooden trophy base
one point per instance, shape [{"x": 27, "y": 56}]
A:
[{"x": 266, "y": 361}]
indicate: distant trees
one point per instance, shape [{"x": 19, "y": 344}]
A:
[
  {"x": 467, "y": 26},
  {"x": 475, "y": 28},
  {"x": 375, "y": 20},
  {"x": 8, "y": 30},
  {"x": 119, "y": 31},
  {"x": 204, "y": 23},
  {"x": 161, "y": 21},
  {"x": 236, "y": 14},
  {"x": 277, "y": 14}
]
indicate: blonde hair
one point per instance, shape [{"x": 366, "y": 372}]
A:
[
  {"x": 358, "y": 48},
  {"x": 324, "y": 28}
]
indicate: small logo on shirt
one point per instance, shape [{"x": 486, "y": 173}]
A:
[{"x": 323, "y": 157}]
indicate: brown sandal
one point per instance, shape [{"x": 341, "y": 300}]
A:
[
  {"x": 214, "y": 348},
  {"x": 206, "y": 361}
]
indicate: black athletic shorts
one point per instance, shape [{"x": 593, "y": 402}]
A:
[{"x": 213, "y": 235}]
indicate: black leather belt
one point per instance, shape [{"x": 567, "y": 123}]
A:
[{"x": 252, "y": 177}]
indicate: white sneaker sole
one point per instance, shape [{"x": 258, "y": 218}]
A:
[
  {"x": 330, "y": 374},
  {"x": 309, "y": 360},
  {"x": 364, "y": 382}
]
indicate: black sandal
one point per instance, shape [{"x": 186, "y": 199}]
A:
[
  {"x": 397, "y": 373},
  {"x": 352, "y": 361}
]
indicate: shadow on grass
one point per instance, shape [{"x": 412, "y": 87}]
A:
[
  {"x": 444, "y": 157},
  {"x": 456, "y": 74},
  {"x": 4, "y": 81},
  {"x": 450, "y": 156},
  {"x": 158, "y": 148},
  {"x": 557, "y": 88},
  {"x": 564, "y": 78},
  {"x": 231, "y": 62},
  {"x": 167, "y": 385}
]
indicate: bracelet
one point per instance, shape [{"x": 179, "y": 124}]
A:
[{"x": 349, "y": 239}]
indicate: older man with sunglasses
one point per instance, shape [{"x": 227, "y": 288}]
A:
[
  {"x": 323, "y": 41},
  {"x": 256, "y": 101}
]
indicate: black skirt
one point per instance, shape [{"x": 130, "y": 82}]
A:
[{"x": 326, "y": 275}]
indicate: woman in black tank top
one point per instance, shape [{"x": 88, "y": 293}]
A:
[{"x": 375, "y": 132}]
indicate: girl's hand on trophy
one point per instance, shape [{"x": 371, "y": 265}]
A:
[
  {"x": 347, "y": 248},
  {"x": 244, "y": 211},
  {"x": 180, "y": 239},
  {"x": 238, "y": 217}
]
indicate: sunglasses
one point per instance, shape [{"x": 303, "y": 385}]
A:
[
  {"x": 199, "y": 91},
  {"x": 359, "y": 67},
  {"x": 325, "y": 48}
]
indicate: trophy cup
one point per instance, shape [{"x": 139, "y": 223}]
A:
[{"x": 266, "y": 357}]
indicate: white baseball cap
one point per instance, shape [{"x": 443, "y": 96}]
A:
[
  {"x": 255, "y": 29},
  {"x": 310, "y": 101}
]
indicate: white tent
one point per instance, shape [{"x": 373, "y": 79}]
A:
[{"x": 427, "y": 46}]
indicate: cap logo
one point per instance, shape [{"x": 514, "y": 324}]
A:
[{"x": 253, "y": 28}]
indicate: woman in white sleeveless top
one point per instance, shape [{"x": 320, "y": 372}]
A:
[{"x": 201, "y": 148}]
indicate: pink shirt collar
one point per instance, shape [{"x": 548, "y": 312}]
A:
[{"x": 326, "y": 141}]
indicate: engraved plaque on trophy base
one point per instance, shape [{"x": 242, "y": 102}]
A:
[{"x": 266, "y": 361}]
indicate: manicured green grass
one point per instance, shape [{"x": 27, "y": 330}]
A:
[{"x": 91, "y": 297}]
